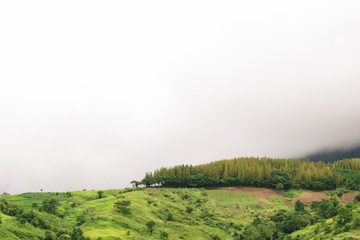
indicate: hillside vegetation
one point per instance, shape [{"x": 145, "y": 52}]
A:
[
  {"x": 233, "y": 206},
  {"x": 334, "y": 155},
  {"x": 263, "y": 172},
  {"x": 169, "y": 213}
]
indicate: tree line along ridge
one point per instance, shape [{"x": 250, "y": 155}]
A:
[{"x": 259, "y": 172}]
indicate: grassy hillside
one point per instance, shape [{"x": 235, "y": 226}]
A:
[
  {"x": 226, "y": 213},
  {"x": 181, "y": 213}
]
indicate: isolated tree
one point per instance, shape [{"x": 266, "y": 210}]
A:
[
  {"x": 135, "y": 183},
  {"x": 299, "y": 206},
  {"x": 150, "y": 225},
  {"x": 50, "y": 205},
  {"x": 100, "y": 194},
  {"x": 189, "y": 209},
  {"x": 123, "y": 206},
  {"x": 164, "y": 236}
]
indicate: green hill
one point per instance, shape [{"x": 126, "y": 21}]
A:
[
  {"x": 227, "y": 213},
  {"x": 233, "y": 206}
]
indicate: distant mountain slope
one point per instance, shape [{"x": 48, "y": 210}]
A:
[{"x": 333, "y": 155}]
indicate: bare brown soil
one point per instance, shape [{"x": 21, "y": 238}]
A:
[
  {"x": 257, "y": 192},
  {"x": 308, "y": 197},
  {"x": 347, "y": 197}
]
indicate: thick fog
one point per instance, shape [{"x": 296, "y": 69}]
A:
[{"x": 93, "y": 94}]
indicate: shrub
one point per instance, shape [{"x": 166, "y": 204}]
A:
[
  {"x": 100, "y": 194},
  {"x": 150, "y": 225},
  {"x": 189, "y": 209},
  {"x": 50, "y": 205},
  {"x": 164, "y": 236},
  {"x": 50, "y": 235},
  {"x": 169, "y": 217},
  {"x": 123, "y": 206},
  {"x": 77, "y": 234},
  {"x": 357, "y": 198},
  {"x": 80, "y": 220},
  {"x": 299, "y": 206}
]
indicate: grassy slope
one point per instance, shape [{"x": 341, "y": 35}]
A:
[{"x": 216, "y": 212}]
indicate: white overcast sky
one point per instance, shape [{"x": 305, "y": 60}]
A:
[{"x": 95, "y": 93}]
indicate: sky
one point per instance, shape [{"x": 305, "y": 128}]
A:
[{"x": 93, "y": 94}]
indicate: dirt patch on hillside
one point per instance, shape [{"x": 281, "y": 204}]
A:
[
  {"x": 347, "y": 197},
  {"x": 256, "y": 192},
  {"x": 308, "y": 197}
]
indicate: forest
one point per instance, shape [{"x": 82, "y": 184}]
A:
[
  {"x": 334, "y": 155},
  {"x": 258, "y": 172}
]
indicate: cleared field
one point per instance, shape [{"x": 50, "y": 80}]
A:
[
  {"x": 229, "y": 197},
  {"x": 256, "y": 192},
  {"x": 307, "y": 197},
  {"x": 347, "y": 197}
]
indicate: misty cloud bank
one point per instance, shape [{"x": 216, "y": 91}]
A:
[{"x": 93, "y": 95}]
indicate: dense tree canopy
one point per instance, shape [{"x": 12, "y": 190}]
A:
[{"x": 258, "y": 172}]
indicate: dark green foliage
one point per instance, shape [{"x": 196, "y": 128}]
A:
[
  {"x": 288, "y": 222},
  {"x": 80, "y": 220},
  {"x": 123, "y": 206},
  {"x": 321, "y": 183},
  {"x": 260, "y": 231},
  {"x": 164, "y": 236},
  {"x": 281, "y": 177},
  {"x": 353, "y": 178},
  {"x": 26, "y": 217},
  {"x": 150, "y": 225},
  {"x": 9, "y": 208},
  {"x": 215, "y": 237},
  {"x": 334, "y": 155},
  {"x": 357, "y": 198},
  {"x": 189, "y": 209},
  {"x": 169, "y": 217},
  {"x": 299, "y": 206},
  {"x": 50, "y": 205},
  {"x": 77, "y": 234},
  {"x": 344, "y": 216},
  {"x": 50, "y": 235},
  {"x": 326, "y": 208},
  {"x": 100, "y": 194},
  {"x": 258, "y": 172},
  {"x": 33, "y": 218},
  {"x": 295, "y": 221}
]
